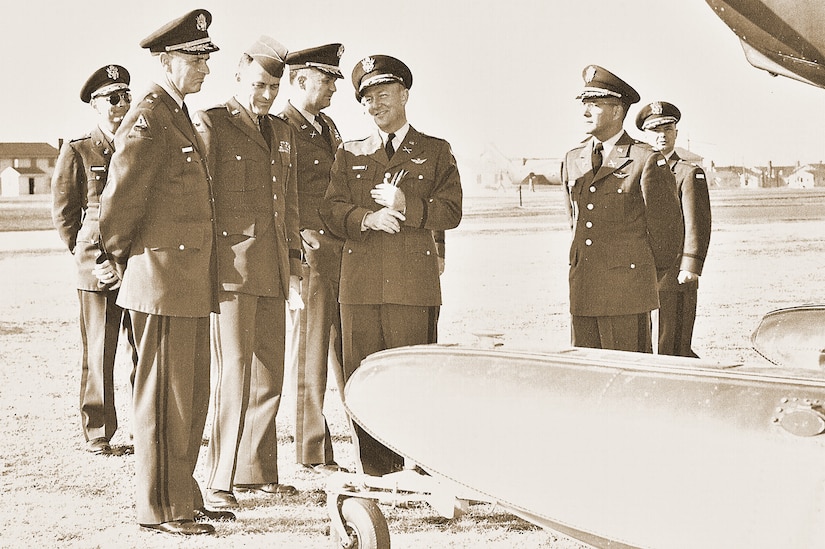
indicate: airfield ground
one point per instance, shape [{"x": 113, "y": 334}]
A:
[{"x": 506, "y": 271}]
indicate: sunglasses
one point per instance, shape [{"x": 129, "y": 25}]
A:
[{"x": 115, "y": 97}]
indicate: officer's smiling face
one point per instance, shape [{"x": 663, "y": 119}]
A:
[
  {"x": 257, "y": 89},
  {"x": 386, "y": 103},
  {"x": 602, "y": 117},
  {"x": 184, "y": 71}
]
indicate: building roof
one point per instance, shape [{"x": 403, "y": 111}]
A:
[
  {"x": 27, "y": 170},
  {"x": 27, "y": 150}
]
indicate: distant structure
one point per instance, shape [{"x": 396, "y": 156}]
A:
[
  {"x": 499, "y": 171},
  {"x": 26, "y": 168},
  {"x": 807, "y": 177}
]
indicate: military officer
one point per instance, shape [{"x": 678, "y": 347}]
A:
[
  {"x": 387, "y": 194},
  {"x": 679, "y": 285},
  {"x": 158, "y": 232},
  {"x": 316, "y": 337},
  {"x": 253, "y": 163},
  {"x": 78, "y": 180},
  {"x": 626, "y": 221}
]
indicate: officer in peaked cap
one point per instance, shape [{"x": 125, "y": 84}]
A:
[
  {"x": 324, "y": 58},
  {"x": 678, "y": 286},
  {"x": 626, "y": 220},
  {"x": 186, "y": 34},
  {"x": 600, "y": 82},
  {"x": 379, "y": 69},
  {"x": 315, "y": 332},
  {"x": 158, "y": 231},
  {"x": 79, "y": 177},
  {"x": 105, "y": 81},
  {"x": 391, "y": 197}
]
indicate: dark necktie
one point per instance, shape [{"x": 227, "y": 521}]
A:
[
  {"x": 263, "y": 125},
  {"x": 388, "y": 147},
  {"x": 324, "y": 129},
  {"x": 597, "y": 156}
]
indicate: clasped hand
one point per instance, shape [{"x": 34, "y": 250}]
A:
[
  {"x": 385, "y": 219},
  {"x": 390, "y": 196},
  {"x": 106, "y": 275}
]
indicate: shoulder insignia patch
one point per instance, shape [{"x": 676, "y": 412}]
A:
[
  {"x": 141, "y": 123},
  {"x": 700, "y": 175},
  {"x": 661, "y": 162}
]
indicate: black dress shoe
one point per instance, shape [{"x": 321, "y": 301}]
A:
[
  {"x": 203, "y": 514},
  {"x": 181, "y": 527},
  {"x": 99, "y": 446},
  {"x": 221, "y": 499},
  {"x": 271, "y": 488}
]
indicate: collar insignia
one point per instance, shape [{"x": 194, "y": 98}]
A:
[{"x": 406, "y": 150}]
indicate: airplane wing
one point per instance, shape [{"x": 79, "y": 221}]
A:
[{"x": 783, "y": 37}]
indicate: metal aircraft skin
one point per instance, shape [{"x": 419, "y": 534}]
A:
[
  {"x": 619, "y": 450},
  {"x": 783, "y": 37}
]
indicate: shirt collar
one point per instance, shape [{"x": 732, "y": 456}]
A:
[
  {"x": 399, "y": 135},
  {"x": 308, "y": 115},
  {"x": 172, "y": 93},
  {"x": 608, "y": 144},
  {"x": 110, "y": 136}
]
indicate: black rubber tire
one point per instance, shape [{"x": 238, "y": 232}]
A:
[{"x": 364, "y": 522}]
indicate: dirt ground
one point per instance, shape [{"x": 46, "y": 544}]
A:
[{"x": 506, "y": 271}]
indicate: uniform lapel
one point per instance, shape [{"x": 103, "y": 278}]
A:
[
  {"x": 409, "y": 149},
  {"x": 240, "y": 118},
  {"x": 305, "y": 129},
  {"x": 618, "y": 158}
]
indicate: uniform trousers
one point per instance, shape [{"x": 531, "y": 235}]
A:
[
  {"x": 620, "y": 332},
  {"x": 316, "y": 349},
  {"x": 371, "y": 328},
  {"x": 677, "y": 315},
  {"x": 248, "y": 364},
  {"x": 171, "y": 400},
  {"x": 101, "y": 321}
]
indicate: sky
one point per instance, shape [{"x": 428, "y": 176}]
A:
[{"x": 500, "y": 73}]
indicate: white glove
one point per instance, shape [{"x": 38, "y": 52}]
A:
[{"x": 294, "y": 301}]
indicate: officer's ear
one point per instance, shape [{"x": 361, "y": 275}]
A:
[{"x": 302, "y": 79}]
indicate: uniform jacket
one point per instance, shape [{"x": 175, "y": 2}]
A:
[
  {"x": 315, "y": 159},
  {"x": 401, "y": 268},
  {"x": 78, "y": 180},
  {"x": 692, "y": 188},
  {"x": 627, "y": 225},
  {"x": 256, "y": 201},
  {"x": 156, "y": 212}
]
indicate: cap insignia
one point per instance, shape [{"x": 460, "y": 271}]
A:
[
  {"x": 112, "y": 72},
  {"x": 590, "y": 74},
  {"x": 340, "y": 51},
  {"x": 656, "y": 108},
  {"x": 200, "y": 22},
  {"x": 368, "y": 64}
]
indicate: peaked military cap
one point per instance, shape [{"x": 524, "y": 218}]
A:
[
  {"x": 600, "y": 82},
  {"x": 103, "y": 81},
  {"x": 324, "y": 58},
  {"x": 657, "y": 114},
  {"x": 379, "y": 69},
  {"x": 270, "y": 54},
  {"x": 186, "y": 34}
]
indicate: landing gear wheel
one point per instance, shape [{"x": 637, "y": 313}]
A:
[{"x": 365, "y": 525}]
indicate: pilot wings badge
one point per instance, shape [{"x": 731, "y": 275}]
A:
[{"x": 418, "y": 160}]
